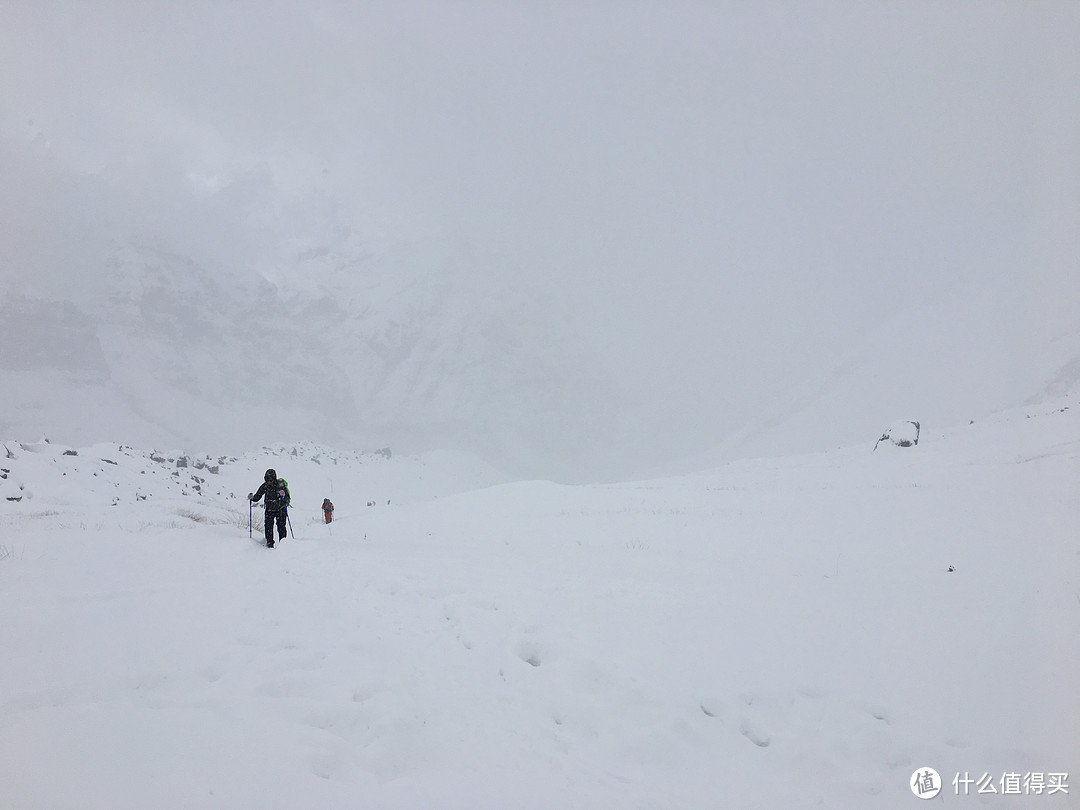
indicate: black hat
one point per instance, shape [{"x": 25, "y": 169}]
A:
[{"x": 270, "y": 475}]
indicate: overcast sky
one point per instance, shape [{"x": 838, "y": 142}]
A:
[
  {"x": 753, "y": 176},
  {"x": 605, "y": 132}
]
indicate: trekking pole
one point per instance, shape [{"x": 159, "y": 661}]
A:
[
  {"x": 249, "y": 516},
  {"x": 289, "y": 519}
]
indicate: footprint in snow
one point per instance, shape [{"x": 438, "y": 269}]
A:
[
  {"x": 712, "y": 707},
  {"x": 754, "y": 736},
  {"x": 529, "y": 652}
]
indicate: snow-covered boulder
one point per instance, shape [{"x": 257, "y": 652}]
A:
[
  {"x": 904, "y": 433},
  {"x": 10, "y": 489},
  {"x": 44, "y": 447}
]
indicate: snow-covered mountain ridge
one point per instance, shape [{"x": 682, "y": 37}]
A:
[
  {"x": 418, "y": 350},
  {"x": 374, "y": 351}
]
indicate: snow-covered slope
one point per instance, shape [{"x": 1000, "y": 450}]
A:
[
  {"x": 790, "y": 632},
  {"x": 977, "y": 348}
]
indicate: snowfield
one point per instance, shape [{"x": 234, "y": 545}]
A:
[{"x": 776, "y": 633}]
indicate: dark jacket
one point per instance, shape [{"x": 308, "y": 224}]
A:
[{"x": 277, "y": 495}]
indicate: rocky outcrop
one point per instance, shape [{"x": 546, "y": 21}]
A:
[{"x": 903, "y": 434}]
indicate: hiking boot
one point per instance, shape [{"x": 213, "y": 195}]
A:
[{"x": 270, "y": 544}]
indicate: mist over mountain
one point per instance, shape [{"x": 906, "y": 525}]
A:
[
  {"x": 581, "y": 243},
  {"x": 419, "y": 347}
]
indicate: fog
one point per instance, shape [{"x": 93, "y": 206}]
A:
[{"x": 714, "y": 200}]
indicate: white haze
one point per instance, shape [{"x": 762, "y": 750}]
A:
[{"x": 678, "y": 210}]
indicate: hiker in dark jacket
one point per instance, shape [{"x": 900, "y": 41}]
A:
[{"x": 276, "y": 504}]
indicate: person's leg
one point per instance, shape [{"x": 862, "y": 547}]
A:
[
  {"x": 281, "y": 524},
  {"x": 269, "y": 528}
]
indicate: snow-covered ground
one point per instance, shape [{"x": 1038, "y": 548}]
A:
[{"x": 791, "y": 632}]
